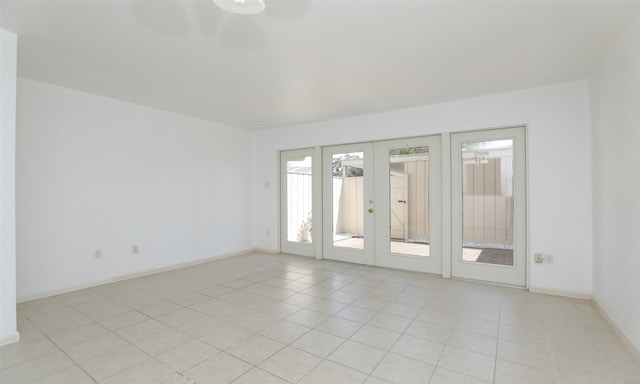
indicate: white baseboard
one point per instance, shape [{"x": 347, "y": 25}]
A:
[
  {"x": 13, "y": 337},
  {"x": 563, "y": 293},
  {"x": 22, "y": 299},
  {"x": 635, "y": 351},
  {"x": 267, "y": 251},
  {"x": 180, "y": 265}
]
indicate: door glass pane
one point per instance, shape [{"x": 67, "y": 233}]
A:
[
  {"x": 487, "y": 202},
  {"x": 409, "y": 200},
  {"x": 299, "y": 200},
  {"x": 348, "y": 200}
]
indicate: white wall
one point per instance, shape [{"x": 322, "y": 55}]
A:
[
  {"x": 559, "y": 167},
  {"x": 615, "y": 101},
  {"x": 8, "y": 53},
  {"x": 98, "y": 173}
]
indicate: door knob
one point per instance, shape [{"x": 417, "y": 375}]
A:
[{"x": 370, "y": 210}]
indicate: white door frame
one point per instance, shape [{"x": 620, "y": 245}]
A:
[
  {"x": 330, "y": 251},
  {"x": 295, "y": 247},
  {"x": 445, "y": 236},
  {"x": 384, "y": 256},
  {"x": 515, "y": 275}
]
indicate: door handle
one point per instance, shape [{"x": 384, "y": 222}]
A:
[{"x": 402, "y": 201}]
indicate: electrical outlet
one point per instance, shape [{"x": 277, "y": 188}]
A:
[
  {"x": 97, "y": 254},
  {"x": 539, "y": 258},
  {"x": 135, "y": 249}
]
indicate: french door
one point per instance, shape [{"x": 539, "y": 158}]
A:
[
  {"x": 408, "y": 231},
  {"x": 380, "y": 203},
  {"x": 397, "y": 204},
  {"x": 488, "y": 186},
  {"x": 299, "y": 178},
  {"x": 349, "y": 206}
]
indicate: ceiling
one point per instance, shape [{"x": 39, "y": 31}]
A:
[{"x": 308, "y": 60}]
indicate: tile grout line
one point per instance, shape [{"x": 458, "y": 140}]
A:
[{"x": 495, "y": 363}]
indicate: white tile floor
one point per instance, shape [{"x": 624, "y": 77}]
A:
[{"x": 286, "y": 319}]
